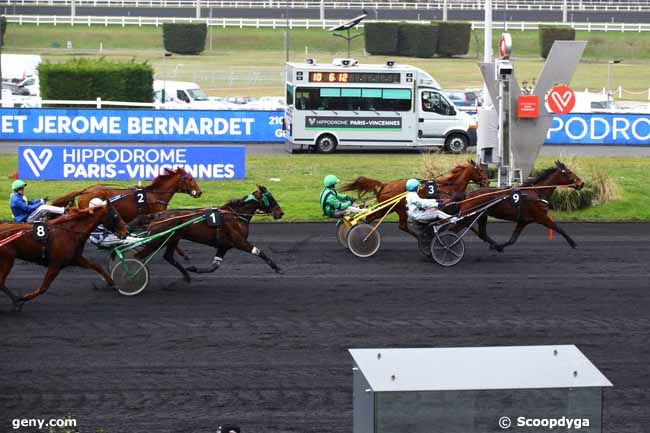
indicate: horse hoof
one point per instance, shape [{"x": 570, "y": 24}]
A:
[
  {"x": 18, "y": 305},
  {"x": 187, "y": 257},
  {"x": 279, "y": 271}
]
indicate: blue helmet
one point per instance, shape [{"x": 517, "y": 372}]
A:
[{"x": 412, "y": 184}]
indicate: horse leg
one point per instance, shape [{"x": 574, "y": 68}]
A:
[
  {"x": 483, "y": 234},
  {"x": 250, "y": 248},
  {"x": 181, "y": 252},
  {"x": 403, "y": 222},
  {"x": 216, "y": 263},
  {"x": 50, "y": 275},
  {"x": 6, "y": 263},
  {"x": 521, "y": 225},
  {"x": 547, "y": 222},
  {"x": 83, "y": 262},
  {"x": 169, "y": 257}
]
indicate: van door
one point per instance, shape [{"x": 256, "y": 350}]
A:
[{"x": 436, "y": 116}]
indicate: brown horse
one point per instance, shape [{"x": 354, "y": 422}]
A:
[
  {"x": 533, "y": 207},
  {"x": 232, "y": 232},
  {"x": 66, "y": 238},
  {"x": 131, "y": 202},
  {"x": 455, "y": 182}
]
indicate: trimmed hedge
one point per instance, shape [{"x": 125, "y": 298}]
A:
[
  {"x": 381, "y": 37},
  {"x": 417, "y": 40},
  {"x": 88, "y": 79},
  {"x": 550, "y": 34},
  {"x": 184, "y": 38},
  {"x": 453, "y": 38},
  {"x": 3, "y": 29}
]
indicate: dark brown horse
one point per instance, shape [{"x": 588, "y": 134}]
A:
[
  {"x": 232, "y": 231},
  {"x": 131, "y": 202},
  {"x": 66, "y": 238},
  {"x": 533, "y": 207},
  {"x": 455, "y": 182}
]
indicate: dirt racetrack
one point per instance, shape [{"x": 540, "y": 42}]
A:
[{"x": 268, "y": 351}]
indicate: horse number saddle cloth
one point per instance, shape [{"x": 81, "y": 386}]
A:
[
  {"x": 214, "y": 218},
  {"x": 140, "y": 196}
]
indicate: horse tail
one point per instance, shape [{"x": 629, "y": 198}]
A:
[
  {"x": 364, "y": 185},
  {"x": 68, "y": 199}
]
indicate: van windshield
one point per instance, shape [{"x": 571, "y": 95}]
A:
[{"x": 197, "y": 94}]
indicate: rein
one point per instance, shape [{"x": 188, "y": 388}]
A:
[{"x": 512, "y": 189}]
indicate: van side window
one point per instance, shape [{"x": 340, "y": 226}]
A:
[
  {"x": 433, "y": 102},
  {"x": 181, "y": 95}
]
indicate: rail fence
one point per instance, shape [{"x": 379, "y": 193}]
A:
[
  {"x": 292, "y": 23},
  {"x": 540, "y": 5}
]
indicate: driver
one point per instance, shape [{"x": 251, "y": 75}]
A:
[
  {"x": 335, "y": 204},
  {"x": 422, "y": 210},
  {"x": 101, "y": 236},
  {"x": 29, "y": 211}
]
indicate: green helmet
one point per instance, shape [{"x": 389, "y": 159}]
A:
[
  {"x": 412, "y": 184},
  {"x": 17, "y": 184},
  {"x": 330, "y": 180}
]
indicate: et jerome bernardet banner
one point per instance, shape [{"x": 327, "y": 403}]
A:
[
  {"x": 59, "y": 162},
  {"x": 48, "y": 124}
]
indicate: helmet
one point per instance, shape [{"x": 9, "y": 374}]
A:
[
  {"x": 96, "y": 202},
  {"x": 330, "y": 180},
  {"x": 412, "y": 184},
  {"x": 17, "y": 184}
]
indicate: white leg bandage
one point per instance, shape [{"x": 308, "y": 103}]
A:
[
  {"x": 255, "y": 251},
  {"x": 217, "y": 260}
]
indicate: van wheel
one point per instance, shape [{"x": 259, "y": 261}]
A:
[
  {"x": 456, "y": 143},
  {"x": 326, "y": 143}
]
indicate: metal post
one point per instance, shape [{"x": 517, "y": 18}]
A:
[
  {"x": 198, "y": 8},
  {"x": 444, "y": 10},
  {"x": 487, "y": 45},
  {"x": 322, "y": 10},
  {"x": 565, "y": 8},
  {"x": 286, "y": 33},
  {"x": 73, "y": 10}
]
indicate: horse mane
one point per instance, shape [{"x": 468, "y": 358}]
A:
[
  {"x": 235, "y": 203},
  {"x": 454, "y": 173},
  {"x": 166, "y": 175},
  {"x": 540, "y": 177}
]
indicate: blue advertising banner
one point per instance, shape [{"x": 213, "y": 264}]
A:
[
  {"x": 49, "y": 124},
  {"x": 605, "y": 128},
  {"x": 129, "y": 162}
]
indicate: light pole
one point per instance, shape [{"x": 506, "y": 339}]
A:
[
  {"x": 609, "y": 76},
  {"x": 487, "y": 46}
]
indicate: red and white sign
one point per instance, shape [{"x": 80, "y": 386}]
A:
[
  {"x": 528, "y": 107},
  {"x": 505, "y": 45},
  {"x": 561, "y": 100}
]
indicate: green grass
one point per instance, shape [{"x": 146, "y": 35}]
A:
[
  {"x": 295, "y": 181},
  {"x": 250, "y": 61}
]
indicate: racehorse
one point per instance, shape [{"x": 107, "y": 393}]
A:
[
  {"x": 131, "y": 202},
  {"x": 533, "y": 207},
  {"x": 232, "y": 231},
  {"x": 455, "y": 182},
  {"x": 64, "y": 244}
]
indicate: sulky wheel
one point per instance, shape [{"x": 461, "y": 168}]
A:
[
  {"x": 424, "y": 243},
  {"x": 130, "y": 276},
  {"x": 359, "y": 245},
  {"x": 447, "y": 248},
  {"x": 113, "y": 259},
  {"x": 342, "y": 233}
]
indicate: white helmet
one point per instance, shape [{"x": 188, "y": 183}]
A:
[{"x": 96, "y": 202}]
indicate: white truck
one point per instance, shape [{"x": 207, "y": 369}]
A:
[
  {"x": 184, "y": 95},
  {"x": 346, "y": 104},
  {"x": 20, "y": 72}
]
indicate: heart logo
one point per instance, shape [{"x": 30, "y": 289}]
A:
[
  {"x": 312, "y": 120},
  {"x": 37, "y": 163},
  {"x": 561, "y": 100}
]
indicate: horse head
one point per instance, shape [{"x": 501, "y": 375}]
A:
[
  {"x": 477, "y": 174},
  {"x": 564, "y": 176},
  {"x": 267, "y": 202},
  {"x": 185, "y": 182}
]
